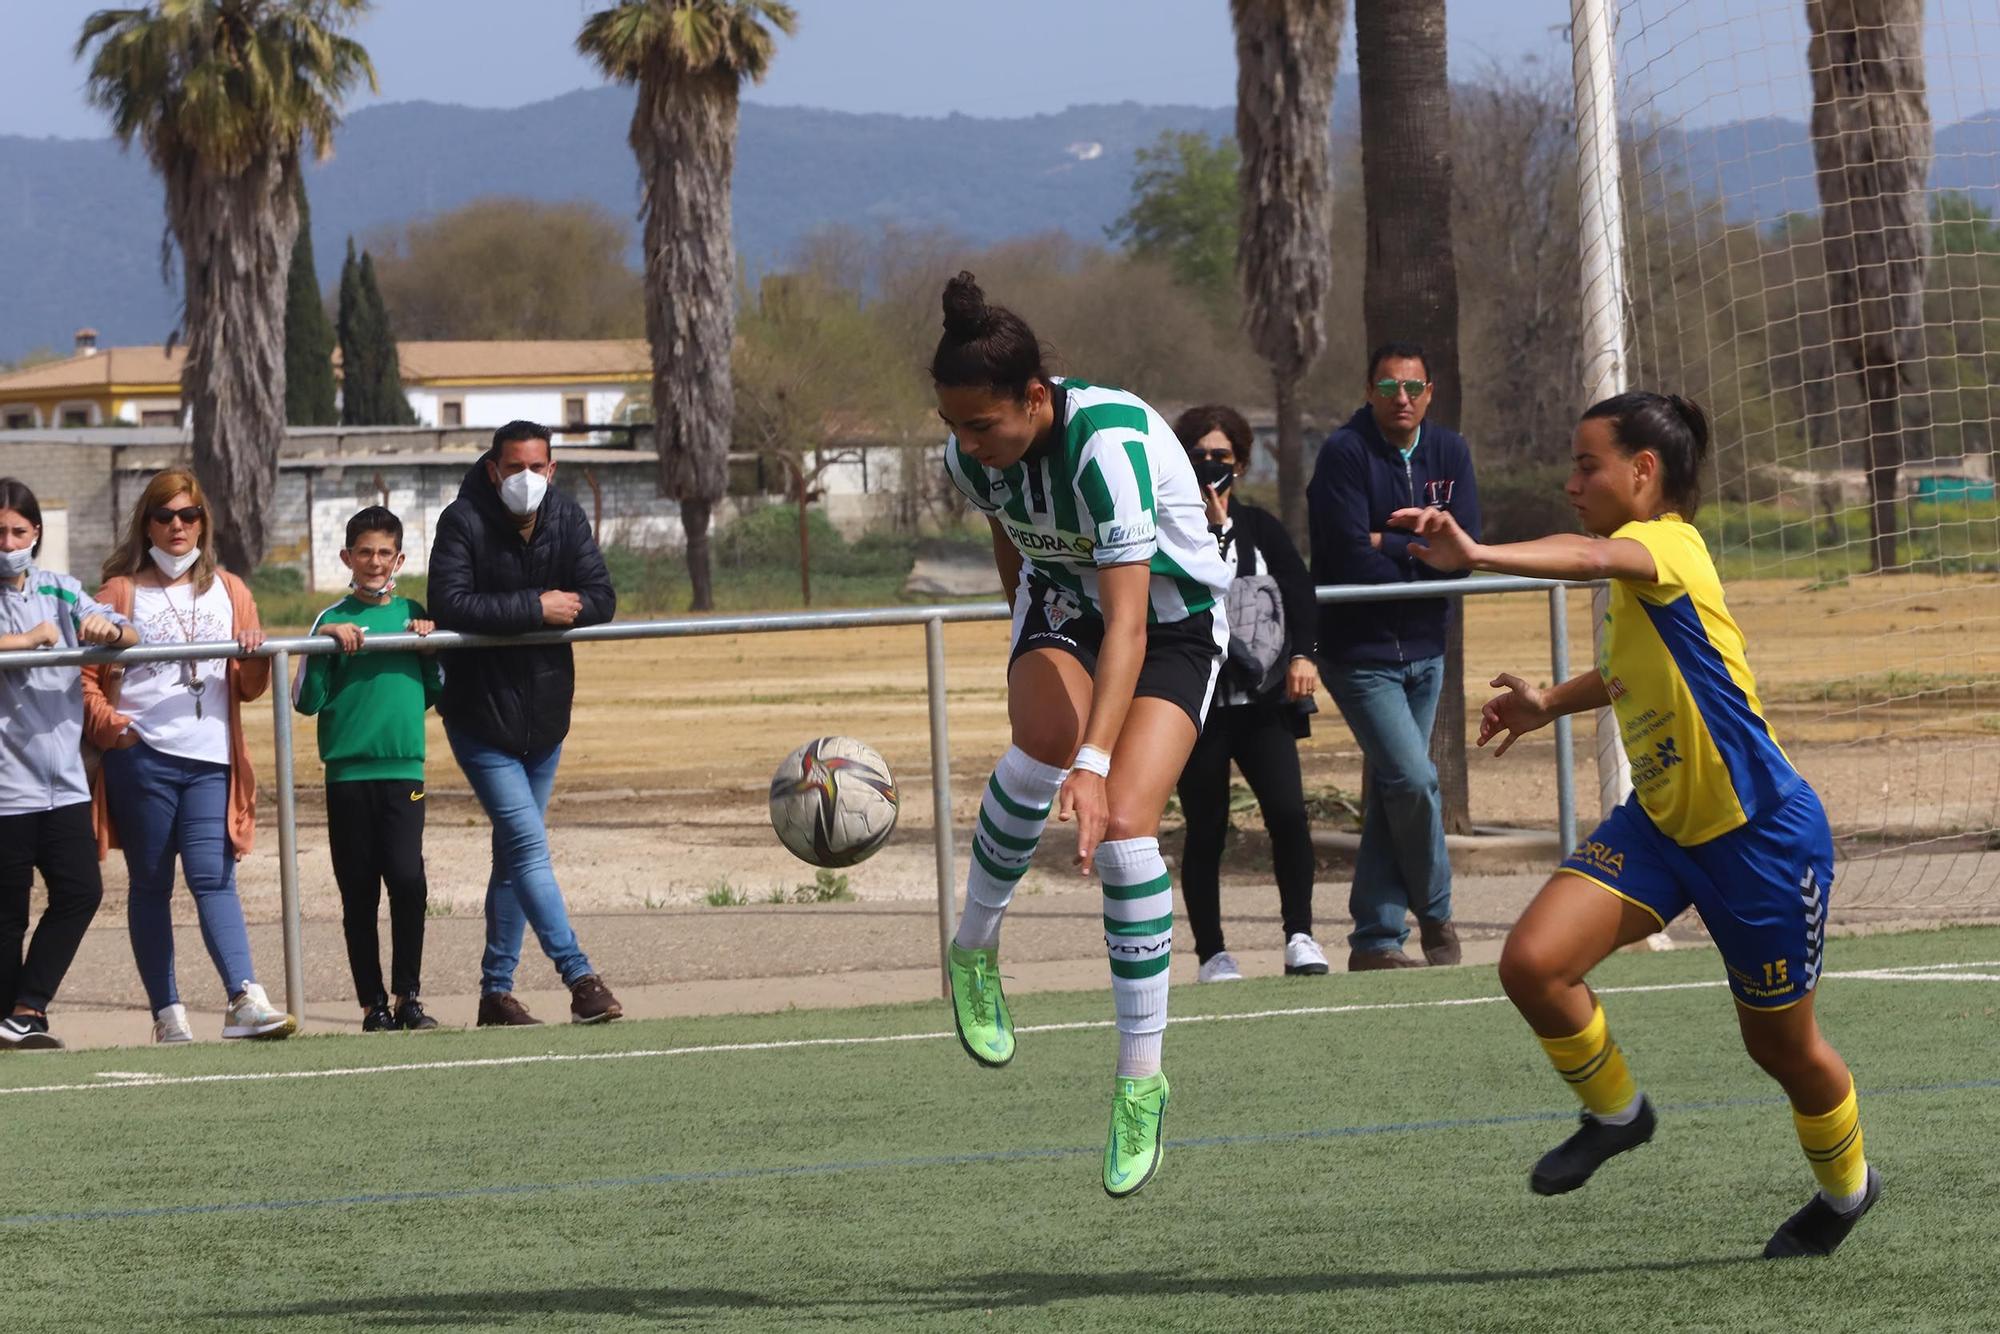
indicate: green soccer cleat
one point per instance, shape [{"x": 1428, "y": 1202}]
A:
[
  {"x": 985, "y": 1026},
  {"x": 1133, "y": 1153}
]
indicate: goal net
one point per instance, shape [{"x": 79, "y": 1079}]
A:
[{"x": 1810, "y": 193}]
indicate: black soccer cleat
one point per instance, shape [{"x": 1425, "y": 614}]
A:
[
  {"x": 1819, "y": 1228},
  {"x": 1570, "y": 1163}
]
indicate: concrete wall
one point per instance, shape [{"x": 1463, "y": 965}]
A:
[{"x": 78, "y": 478}]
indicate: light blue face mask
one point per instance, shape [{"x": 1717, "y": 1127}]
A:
[{"x": 15, "y": 563}]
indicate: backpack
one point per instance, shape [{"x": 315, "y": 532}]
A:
[{"x": 1257, "y": 639}]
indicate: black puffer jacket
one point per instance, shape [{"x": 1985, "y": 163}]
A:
[{"x": 485, "y": 580}]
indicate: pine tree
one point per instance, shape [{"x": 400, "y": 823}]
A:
[
  {"x": 309, "y": 385},
  {"x": 357, "y": 374},
  {"x": 389, "y": 400}
]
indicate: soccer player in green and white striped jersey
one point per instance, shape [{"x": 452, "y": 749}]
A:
[{"x": 1102, "y": 542}]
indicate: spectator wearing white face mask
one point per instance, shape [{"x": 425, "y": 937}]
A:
[
  {"x": 514, "y": 554},
  {"x": 176, "y": 782}
]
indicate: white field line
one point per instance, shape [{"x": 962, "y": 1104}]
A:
[{"x": 124, "y": 1080}]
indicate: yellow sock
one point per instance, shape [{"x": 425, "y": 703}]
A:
[
  {"x": 1593, "y": 1066},
  {"x": 1832, "y": 1141}
]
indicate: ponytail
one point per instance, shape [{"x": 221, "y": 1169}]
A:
[
  {"x": 1675, "y": 429},
  {"x": 984, "y": 346}
]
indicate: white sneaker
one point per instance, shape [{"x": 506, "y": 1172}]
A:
[
  {"x": 251, "y": 1015},
  {"x": 1220, "y": 968},
  {"x": 171, "y": 1025},
  {"x": 1303, "y": 956}
]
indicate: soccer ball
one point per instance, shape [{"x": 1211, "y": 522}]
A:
[{"x": 833, "y": 802}]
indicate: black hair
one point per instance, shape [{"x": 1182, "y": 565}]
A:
[
  {"x": 984, "y": 346},
  {"x": 1195, "y": 425},
  {"x": 15, "y": 496},
  {"x": 1674, "y": 428},
  {"x": 516, "y": 431},
  {"x": 1400, "y": 351},
  {"x": 375, "y": 519}
]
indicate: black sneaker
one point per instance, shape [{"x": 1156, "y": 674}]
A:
[
  {"x": 1570, "y": 1163},
  {"x": 410, "y": 1016},
  {"x": 27, "y": 1032},
  {"x": 378, "y": 1019},
  {"x": 1819, "y": 1228}
]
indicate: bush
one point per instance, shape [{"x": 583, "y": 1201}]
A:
[{"x": 1522, "y": 501}]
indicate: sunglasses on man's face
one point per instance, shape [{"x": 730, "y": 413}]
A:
[
  {"x": 190, "y": 516},
  {"x": 1414, "y": 388}
]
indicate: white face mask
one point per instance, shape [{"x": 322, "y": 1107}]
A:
[
  {"x": 174, "y": 566},
  {"x": 15, "y": 563},
  {"x": 388, "y": 587},
  {"x": 522, "y": 493}
]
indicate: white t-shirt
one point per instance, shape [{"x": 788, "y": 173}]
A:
[{"x": 156, "y": 696}]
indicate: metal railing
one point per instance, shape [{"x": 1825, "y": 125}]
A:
[{"x": 933, "y": 618}]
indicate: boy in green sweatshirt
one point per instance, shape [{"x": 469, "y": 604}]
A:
[{"x": 371, "y": 739}]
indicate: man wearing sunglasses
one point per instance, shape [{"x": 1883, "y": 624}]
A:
[{"x": 1384, "y": 661}]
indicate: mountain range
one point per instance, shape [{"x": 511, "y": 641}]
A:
[{"x": 81, "y": 222}]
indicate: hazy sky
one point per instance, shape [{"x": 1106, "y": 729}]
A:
[{"x": 1714, "y": 59}]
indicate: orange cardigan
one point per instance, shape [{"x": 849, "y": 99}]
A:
[{"x": 248, "y": 679}]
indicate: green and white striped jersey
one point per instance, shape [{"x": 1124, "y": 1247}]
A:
[{"x": 1114, "y": 488}]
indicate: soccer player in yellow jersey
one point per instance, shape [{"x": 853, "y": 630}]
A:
[{"x": 1718, "y": 819}]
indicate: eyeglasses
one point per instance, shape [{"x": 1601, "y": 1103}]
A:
[
  {"x": 190, "y": 516},
  {"x": 1414, "y": 388},
  {"x": 1211, "y": 456}
]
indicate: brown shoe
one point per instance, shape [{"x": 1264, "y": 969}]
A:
[
  {"x": 1440, "y": 942},
  {"x": 499, "y": 1009},
  {"x": 591, "y": 1002},
  {"x": 1369, "y": 961}
]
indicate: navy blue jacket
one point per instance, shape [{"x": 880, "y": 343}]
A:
[{"x": 1358, "y": 482}]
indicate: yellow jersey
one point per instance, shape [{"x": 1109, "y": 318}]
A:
[{"x": 1704, "y": 760}]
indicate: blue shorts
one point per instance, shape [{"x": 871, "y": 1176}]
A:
[{"x": 1761, "y": 890}]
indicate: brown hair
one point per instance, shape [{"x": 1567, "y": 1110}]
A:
[
  {"x": 15, "y": 496},
  {"x": 1194, "y": 426},
  {"x": 130, "y": 556}
]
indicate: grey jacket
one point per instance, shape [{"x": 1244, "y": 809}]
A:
[{"x": 41, "y": 708}]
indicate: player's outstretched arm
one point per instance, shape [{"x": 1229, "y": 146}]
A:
[
  {"x": 1440, "y": 543},
  {"x": 1523, "y": 708}
]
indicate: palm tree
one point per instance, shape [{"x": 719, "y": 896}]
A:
[
  {"x": 223, "y": 95},
  {"x": 1410, "y": 278},
  {"x": 1286, "y": 53},
  {"x": 1871, "y": 131},
  {"x": 689, "y": 59}
]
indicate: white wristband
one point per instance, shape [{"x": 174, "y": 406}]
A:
[{"x": 1092, "y": 761}]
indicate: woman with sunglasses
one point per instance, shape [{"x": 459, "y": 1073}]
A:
[
  {"x": 44, "y": 795},
  {"x": 1100, "y": 540},
  {"x": 176, "y": 778},
  {"x": 1260, "y": 707}
]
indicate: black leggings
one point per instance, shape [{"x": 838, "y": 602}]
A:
[
  {"x": 63, "y": 845},
  {"x": 1258, "y": 737},
  {"x": 376, "y": 830}
]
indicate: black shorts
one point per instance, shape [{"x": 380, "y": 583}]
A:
[{"x": 1183, "y": 657}]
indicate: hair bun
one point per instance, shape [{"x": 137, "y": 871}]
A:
[{"x": 966, "y": 314}]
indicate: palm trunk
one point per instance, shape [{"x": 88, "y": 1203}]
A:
[
  {"x": 694, "y": 523},
  {"x": 1871, "y": 132},
  {"x": 684, "y": 135},
  {"x": 235, "y": 236},
  {"x": 1291, "y": 460},
  {"x": 1410, "y": 284}
]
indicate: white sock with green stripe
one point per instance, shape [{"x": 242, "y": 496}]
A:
[
  {"x": 1139, "y": 935},
  {"x": 1011, "y": 816}
]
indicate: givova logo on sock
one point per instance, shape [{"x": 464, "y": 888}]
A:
[{"x": 1133, "y": 950}]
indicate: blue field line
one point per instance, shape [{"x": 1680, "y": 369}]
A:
[{"x": 711, "y": 1176}]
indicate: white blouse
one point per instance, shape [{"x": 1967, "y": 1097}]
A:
[{"x": 181, "y": 708}]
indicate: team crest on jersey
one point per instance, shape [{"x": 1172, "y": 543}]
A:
[
  {"x": 1059, "y": 608},
  {"x": 1437, "y": 493}
]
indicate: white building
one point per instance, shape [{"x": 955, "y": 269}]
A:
[{"x": 576, "y": 382}]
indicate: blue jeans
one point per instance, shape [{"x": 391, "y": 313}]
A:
[
  {"x": 165, "y": 806},
  {"x": 522, "y": 890},
  {"x": 1402, "y": 866}
]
